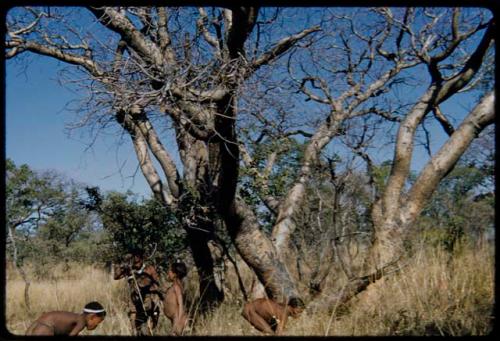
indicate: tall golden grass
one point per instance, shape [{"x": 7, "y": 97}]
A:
[{"x": 435, "y": 293}]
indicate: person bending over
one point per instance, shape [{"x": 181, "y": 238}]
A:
[
  {"x": 269, "y": 316},
  {"x": 68, "y": 323}
]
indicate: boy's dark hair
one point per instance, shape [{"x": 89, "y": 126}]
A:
[
  {"x": 179, "y": 268},
  {"x": 95, "y": 306},
  {"x": 296, "y": 302},
  {"x": 137, "y": 252}
]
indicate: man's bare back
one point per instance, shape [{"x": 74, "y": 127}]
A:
[
  {"x": 67, "y": 323},
  {"x": 57, "y": 323}
]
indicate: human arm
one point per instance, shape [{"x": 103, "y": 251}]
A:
[
  {"x": 119, "y": 271},
  {"x": 282, "y": 319},
  {"x": 253, "y": 312},
  {"x": 80, "y": 324},
  {"x": 155, "y": 281},
  {"x": 179, "y": 311},
  {"x": 151, "y": 271}
]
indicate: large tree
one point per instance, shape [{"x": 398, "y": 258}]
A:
[
  {"x": 217, "y": 77},
  {"x": 188, "y": 65},
  {"x": 450, "y": 49}
]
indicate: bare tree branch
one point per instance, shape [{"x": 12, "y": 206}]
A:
[
  {"x": 202, "y": 26},
  {"x": 470, "y": 68},
  {"x": 433, "y": 96},
  {"x": 240, "y": 24},
  {"x": 129, "y": 33},
  {"x": 159, "y": 151},
  {"x": 282, "y": 46},
  {"x": 147, "y": 167},
  {"x": 445, "y": 159},
  {"x": 447, "y": 126},
  {"x": 19, "y": 46}
]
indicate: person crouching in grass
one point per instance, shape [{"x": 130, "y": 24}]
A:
[
  {"x": 269, "y": 316},
  {"x": 68, "y": 323}
]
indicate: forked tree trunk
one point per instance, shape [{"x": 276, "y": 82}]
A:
[
  {"x": 258, "y": 252},
  {"x": 392, "y": 226}
]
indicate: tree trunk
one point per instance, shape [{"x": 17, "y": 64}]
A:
[
  {"x": 210, "y": 294},
  {"x": 254, "y": 247},
  {"x": 258, "y": 252},
  {"x": 392, "y": 223},
  {"x": 285, "y": 224}
]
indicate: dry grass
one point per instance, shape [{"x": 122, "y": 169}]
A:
[{"x": 432, "y": 295}]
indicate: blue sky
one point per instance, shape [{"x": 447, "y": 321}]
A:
[{"x": 35, "y": 133}]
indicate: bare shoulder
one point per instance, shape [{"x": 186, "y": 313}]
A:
[
  {"x": 177, "y": 287},
  {"x": 48, "y": 314},
  {"x": 266, "y": 301},
  {"x": 178, "y": 283}
]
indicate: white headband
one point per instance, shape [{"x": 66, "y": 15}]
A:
[{"x": 93, "y": 311}]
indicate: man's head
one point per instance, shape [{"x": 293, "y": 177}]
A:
[
  {"x": 131, "y": 260},
  {"x": 178, "y": 269},
  {"x": 94, "y": 314},
  {"x": 137, "y": 258},
  {"x": 295, "y": 306}
]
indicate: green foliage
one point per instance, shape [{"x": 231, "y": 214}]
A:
[
  {"x": 282, "y": 176},
  {"x": 145, "y": 225},
  {"x": 457, "y": 209},
  {"x": 72, "y": 232},
  {"x": 45, "y": 215},
  {"x": 52, "y": 220},
  {"x": 381, "y": 174},
  {"x": 30, "y": 197},
  {"x": 30, "y": 200}
]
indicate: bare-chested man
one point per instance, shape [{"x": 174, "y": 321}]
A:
[
  {"x": 145, "y": 292},
  {"x": 68, "y": 323},
  {"x": 270, "y": 317},
  {"x": 173, "y": 303}
]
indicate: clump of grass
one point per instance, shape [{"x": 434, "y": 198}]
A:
[
  {"x": 435, "y": 293},
  {"x": 225, "y": 320}
]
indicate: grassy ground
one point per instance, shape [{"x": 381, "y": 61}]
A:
[{"x": 433, "y": 294}]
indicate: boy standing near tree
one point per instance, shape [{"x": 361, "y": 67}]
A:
[{"x": 173, "y": 303}]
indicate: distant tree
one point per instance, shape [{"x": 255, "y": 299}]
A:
[
  {"x": 459, "y": 209},
  {"x": 71, "y": 232},
  {"x": 47, "y": 220},
  {"x": 30, "y": 199},
  {"x": 132, "y": 224}
]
